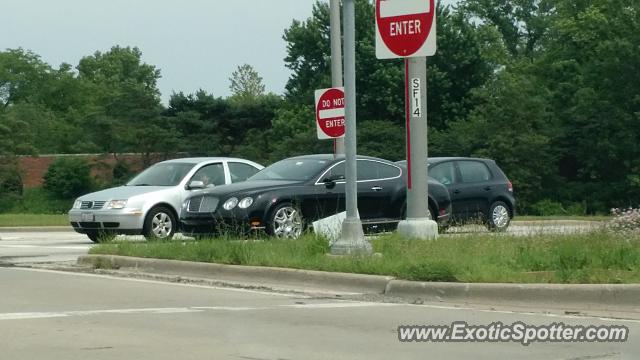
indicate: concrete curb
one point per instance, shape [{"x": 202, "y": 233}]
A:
[
  {"x": 591, "y": 296},
  {"x": 346, "y": 282},
  {"x": 598, "y": 296},
  {"x": 22, "y": 229}
]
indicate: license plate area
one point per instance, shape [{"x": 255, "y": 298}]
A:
[{"x": 87, "y": 217}]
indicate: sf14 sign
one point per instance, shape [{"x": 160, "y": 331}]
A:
[
  {"x": 330, "y": 113},
  {"x": 405, "y": 28}
]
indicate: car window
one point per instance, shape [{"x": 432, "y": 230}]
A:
[
  {"x": 162, "y": 174},
  {"x": 241, "y": 171},
  {"x": 336, "y": 172},
  {"x": 443, "y": 172},
  {"x": 473, "y": 171},
  {"x": 299, "y": 169},
  {"x": 371, "y": 170},
  {"x": 211, "y": 175}
]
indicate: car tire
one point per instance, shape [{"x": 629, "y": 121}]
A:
[
  {"x": 100, "y": 236},
  {"x": 499, "y": 217},
  {"x": 285, "y": 221},
  {"x": 160, "y": 224}
]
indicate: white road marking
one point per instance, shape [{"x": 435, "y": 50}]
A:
[
  {"x": 179, "y": 310},
  {"x": 344, "y": 304},
  {"x": 46, "y": 247}
]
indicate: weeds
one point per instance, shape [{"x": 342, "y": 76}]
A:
[{"x": 598, "y": 257}]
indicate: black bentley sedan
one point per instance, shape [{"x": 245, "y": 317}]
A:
[{"x": 284, "y": 198}]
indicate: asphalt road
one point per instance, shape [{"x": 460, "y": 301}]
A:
[{"x": 56, "y": 315}]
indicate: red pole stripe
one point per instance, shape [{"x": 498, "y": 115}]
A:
[{"x": 408, "y": 119}]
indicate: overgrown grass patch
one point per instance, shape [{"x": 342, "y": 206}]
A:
[
  {"x": 599, "y": 257},
  {"x": 562, "y": 217},
  {"x": 38, "y": 201},
  {"x": 33, "y": 220}
]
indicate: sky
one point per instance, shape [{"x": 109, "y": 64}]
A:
[{"x": 196, "y": 44}]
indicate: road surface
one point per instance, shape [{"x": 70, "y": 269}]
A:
[{"x": 56, "y": 315}]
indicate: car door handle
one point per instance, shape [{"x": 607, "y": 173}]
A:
[
  {"x": 377, "y": 188},
  {"x": 456, "y": 191},
  {"x": 487, "y": 188}
]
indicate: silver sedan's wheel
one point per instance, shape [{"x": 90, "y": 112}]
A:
[
  {"x": 499, "y": 217},
  {"x": 286, "y": 222},
  {"x": 160, "y": 224}
]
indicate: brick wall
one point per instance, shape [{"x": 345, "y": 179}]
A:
[{"x": 33, "y": 168}]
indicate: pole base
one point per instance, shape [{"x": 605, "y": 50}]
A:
[
  {"x": 351, "y": 240},
  {"x": 420, "y": 229}
]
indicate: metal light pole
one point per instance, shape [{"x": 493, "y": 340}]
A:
[
  {"x": 418, "y": 225},
  {"x": 336, "y": 59},
  {"x": 352, "y": 238}
]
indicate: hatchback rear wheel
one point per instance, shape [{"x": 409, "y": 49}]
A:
[{"x": 498, "y": 217}]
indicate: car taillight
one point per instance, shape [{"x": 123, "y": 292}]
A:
[{"x": 509, "y": 186}]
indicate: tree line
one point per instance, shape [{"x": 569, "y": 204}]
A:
[{"x": 549, "y": 89}]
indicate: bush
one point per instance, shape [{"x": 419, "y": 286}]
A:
[
  {"x": 10, "y": 185},
  {"x": 121, "y": 173},
  {"x": 68, "y": 178},
  {"x": 548, "y": 207}
]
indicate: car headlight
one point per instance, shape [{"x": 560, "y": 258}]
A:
[
  {"x": 230, "y": 203},
  {"x": 77, "y": 204},
  {"x": 245, "y": 203},
  {"x": 116, "y": 204}
]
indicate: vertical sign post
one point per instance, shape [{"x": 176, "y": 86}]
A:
[
  {"x": 351, "y": 239},
  {"x": 406, "y": 29},
  {"x": 336, "y": 59}
]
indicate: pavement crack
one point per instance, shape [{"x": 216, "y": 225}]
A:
[
  {"x": 97, "y": 348},
  {"x": 595, "y": 357}
]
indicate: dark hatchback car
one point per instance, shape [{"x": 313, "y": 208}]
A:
[
  {"x": 287, "y": 196},
  {"x": 479, "y": 190}
]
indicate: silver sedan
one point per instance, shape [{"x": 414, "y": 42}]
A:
[{"x": 149, "y": 204}]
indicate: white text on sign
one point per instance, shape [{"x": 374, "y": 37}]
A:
[
  {"x": 333, "y": 123},
  {"x": 336, "y": 103},
  {"x": 406, "y": 27}
]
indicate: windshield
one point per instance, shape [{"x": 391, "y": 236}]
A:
[
  {"x": 292, "y": 169},
  {"x": 163, "y": 174}
]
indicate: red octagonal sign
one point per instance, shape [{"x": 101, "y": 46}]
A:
[
  {"x": 330, "y": 113},
  {"x": 405, "y": 28}
]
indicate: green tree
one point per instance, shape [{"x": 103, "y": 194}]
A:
[
  {"x": 511, "y": 126},
  {"x": 522, "y": 24},
  {"x": 592, "y": 66},
  {"x": 128, "y": 116},
  {"x": 246, "y": 83}
]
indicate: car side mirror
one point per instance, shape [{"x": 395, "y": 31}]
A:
[
  {"x": 196, "y": 184},
  {"x": 330, "y": 181}
]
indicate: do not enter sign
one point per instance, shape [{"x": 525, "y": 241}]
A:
[
  {"x": 330, "y": 113},
  {"x": 405, "y": 28}
]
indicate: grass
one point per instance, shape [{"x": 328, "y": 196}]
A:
[
  {"x": 33, "y": 220},
  {"x": 563, "y": 217},
  {"x": 36, "y": 201},
  {"x": 600, "y": 257}
]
